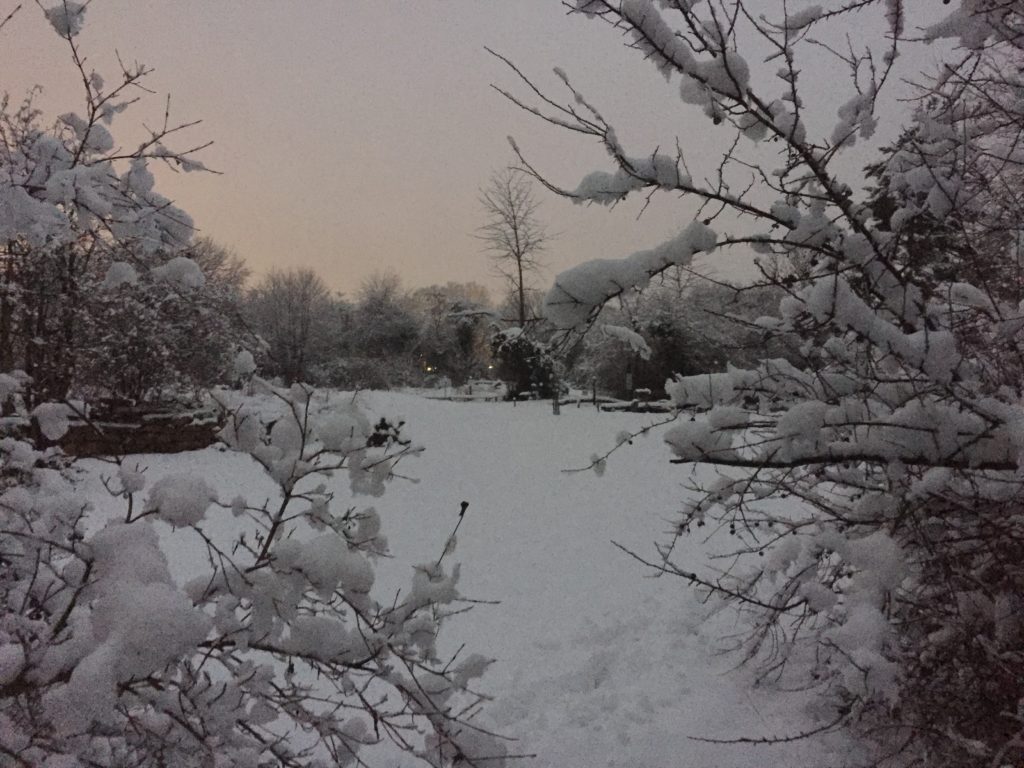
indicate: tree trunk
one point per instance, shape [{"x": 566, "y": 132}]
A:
[{"x": 522, "y": 294}]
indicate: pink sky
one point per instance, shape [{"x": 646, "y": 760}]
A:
[{"x": 353, "y": 135}]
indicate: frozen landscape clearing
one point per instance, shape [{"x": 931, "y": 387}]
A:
[
  {"x": 859, "y": 377},
  {"x": 597, "y": 664}
]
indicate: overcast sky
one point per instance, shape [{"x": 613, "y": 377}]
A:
[{"x": 354, "y": 135}]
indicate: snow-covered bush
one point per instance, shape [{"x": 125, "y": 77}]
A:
[
  {"x": 523, "y": 363},
  {"x": 277, "y": 653},
  {"x": 869, "y": 493},
  {"x": 687, "y": 325},
  {"x": 149, "y": 336}
]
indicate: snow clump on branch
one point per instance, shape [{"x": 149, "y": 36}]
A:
[{"x": 581, "y": 291}]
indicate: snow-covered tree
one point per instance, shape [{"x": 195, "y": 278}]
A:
[
  {"x": 222, "y": 267},
  {"x": 870, "y": 494},
  {"x": 75, "y": 204},
  {"x": 381, "y": 336},
  {"x": 295, "y": 314},
  {"x": 383, "y": 321},
  {"x": 454, "y": 322},
  {"x": 688, "y": 324},
  {"x": 146, "y": 339}
]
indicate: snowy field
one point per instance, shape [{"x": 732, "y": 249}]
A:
[{"x": 597, "y": 663}]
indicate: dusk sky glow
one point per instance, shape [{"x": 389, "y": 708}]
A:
[{"x": 353, "y": 136}]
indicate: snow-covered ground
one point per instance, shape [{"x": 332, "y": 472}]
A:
[{"x": 598, "y": 664}]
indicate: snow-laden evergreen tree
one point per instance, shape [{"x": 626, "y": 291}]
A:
[
  {"x": 868, "y": 497},
  {"x": 278, "y": 652}
]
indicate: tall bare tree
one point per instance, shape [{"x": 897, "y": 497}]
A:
[
  {"x": 291, "y": 311},
  {"x": 513, "y": 235}
]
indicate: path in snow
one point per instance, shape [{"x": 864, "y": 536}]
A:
[{"x": 598, "y": 663}]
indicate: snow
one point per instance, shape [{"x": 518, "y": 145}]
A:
[
  {"x": 655, "y": 38},
  {"x": 52, "y": 419},
  {"x": 327, "y": 562},
  {"x": 855, "y": 115},
  {"x": 131, "y": 476},
  {"x": 180, "y": 499},
  {"x": 343, "y": 430},
  {"x": 629, "y": 337},
  {"x": 596, "y": 664},
  {"x": 120, "y": 273},
  {"x": 804, "y": 18},
  {"x": 127, "y": 554},
  {"x": 693, "y": 440},
  {"x": 970, "y": 296},
  {"x": 139, "y": 178},
  {"x": 972, "y": 23},
  {"x": 704, "y": 390},
  {"x": 609, "y": 188},
  {"x": 180, "y": 272},
  {"x": 66, "y": 17},
  {"x": 9, "y": 384},
  {"x": 580, "y": 291},
  {"x": 286, "y": 434},
  {"x": 12, "y": 661},
  {"x": 321, "y": 638},
  {"x": 140, "y": 628},
  {"x": 244, "y": 365}
]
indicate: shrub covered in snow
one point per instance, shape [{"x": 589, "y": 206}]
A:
[
  {"x": 524, "y": 364},
  {"x": 689, "y": 325},
  {"x": 870, "y": 491},
  {"x": 159, "y": 335},
  {"x": 280, "y": 653}
]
